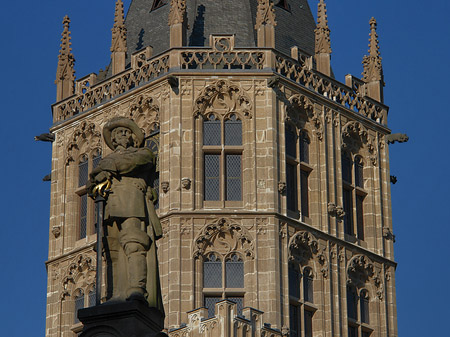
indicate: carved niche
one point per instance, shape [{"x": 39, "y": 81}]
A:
[
  {"x": 304, "y": 247},
  {"x": 223, "y": 236},
  {"x": 222, "y": 97},
  {"x": 300, "y": 110},
  {"x": 85, "y": 137}
]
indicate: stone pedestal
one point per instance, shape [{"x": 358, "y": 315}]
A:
[{"x": 124, "y": 319}]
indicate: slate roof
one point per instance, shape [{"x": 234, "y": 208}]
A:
[{"x": 146, "y": 27}]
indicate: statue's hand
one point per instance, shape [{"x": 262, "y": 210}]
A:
[
  {"x": 102, "y": 176},
  {"x": 97, "y": 179}
]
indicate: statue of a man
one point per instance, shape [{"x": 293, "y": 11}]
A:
[{"x": 132, "y": 226}]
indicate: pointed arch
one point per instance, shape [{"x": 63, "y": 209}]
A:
[
  {"x": 84, "y": 139},
  {"x": 300, "y": 112},
  {"x": 144, "y": 110}
]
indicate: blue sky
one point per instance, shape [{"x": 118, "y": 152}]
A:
[{"x": 415, "y": 46}]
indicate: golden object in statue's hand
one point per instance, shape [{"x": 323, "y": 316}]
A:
[{"x": 102, "y": 189}]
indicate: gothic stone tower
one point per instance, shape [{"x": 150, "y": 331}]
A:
[{"x": 274, "y": 184}]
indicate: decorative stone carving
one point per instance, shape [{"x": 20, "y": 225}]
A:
[
  {"x": 81, "y": 265},
  {"x": 223, "y": 236},
  {"x": 373, "y": 70},
  {"x": 361, "y": 270},
  {"x": 387, "y": 234},
  {"x": 322, "y": 31},
  {"x": 119, "y": 31},
  {"x": 336, "y": 211},
  {"x": 222, "y": 97},
  {"x": 56, "y": 231},
  {"x": 354, "y": 136},
  {"x": 145, "y": 112},
  {"x": 265, "y": 14},
  {"x": 165, "y": 186},
  {"x": 285, "y": 331},
  {"x": 186, "y": 183},
  {"x": 65, "y": 73},
  {"x": 177, "y": 12},
  {"x": 283, "y": 230},
  {"x": 281, "y": 187},
  {"x": 86, "y": 132},
  {"x": 302, "y": 246},
  {"x": 222, "y": 43},
  {"x": 300, "y": 110},
  {"x": 397, "y": 137}
]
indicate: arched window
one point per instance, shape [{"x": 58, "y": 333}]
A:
[
  {"x": 222, "y": 150},
  {"x": 234, "y": 271},
  {"x": 308, "y": 289},
  {"x": 301, "y": 298},
  {"x": 83, "y": 170},
  {"x": 297, "y": 170},
  {"x": 92, "y": 296},
  {"x": 78, "y": 303},
  {"x": 304, "y": 147},
  {"x": 353, "y": 195},
  {"x": 152, "y": 142},
  {"x": 86, "y": 207},
  {"x": 212, "y": 272},
  {"x": 223, "y": 278},
  {"x": 358, "y": 313},
  {"x": 352, "y": 303}
]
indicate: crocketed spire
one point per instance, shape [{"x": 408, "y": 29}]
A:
[
  {"x": 177, "y": 12},
  {"x": 119, "y": 32},
  {"x": 65, "y": 73},
  {"x": 322, "y": 30},
  {"x": 265, "y": 14},
  {"x": 373, "y": 69}
]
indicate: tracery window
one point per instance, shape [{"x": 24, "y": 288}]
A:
[
  {"x": 78, "y": 303},
  {"x": 358, "y": 312},
  {"x": 87, "y": 207},
  {"x": 301, "y": 301},
  {"x": 297, "y": 170},
  {"x": 222, "y": 152},
  {"x": 353, "y": 195},
  {"x": 223, "y": 278},
  {"x": 81, "y": 301},
  {"x": 152, "y": 142}
]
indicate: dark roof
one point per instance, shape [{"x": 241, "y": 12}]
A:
[{"x": 146, "y": 27}]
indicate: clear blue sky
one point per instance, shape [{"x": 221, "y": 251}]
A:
[{"x": 415, "y": 46}]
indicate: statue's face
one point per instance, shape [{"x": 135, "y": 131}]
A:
[{"x": 122, "y": 137}]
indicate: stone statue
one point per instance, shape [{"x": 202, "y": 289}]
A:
[{"x": 131, "y": 224}]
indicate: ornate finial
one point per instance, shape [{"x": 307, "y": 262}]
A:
[
  {"x": 373, "y": 70},
  {"x": 177, "y": 12},
  {"x": 323, "y": 45},
  {"x": 265, "y": 14},
  {"x": 119, "y": 32},
  {"x": 65, "y": 73}
]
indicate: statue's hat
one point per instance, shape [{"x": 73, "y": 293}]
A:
[{"x": 125, "y": 122}]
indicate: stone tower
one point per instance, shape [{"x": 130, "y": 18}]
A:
[{"x": 274, "y": 183}]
